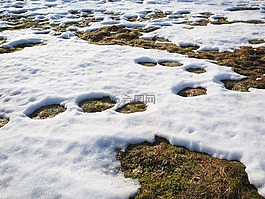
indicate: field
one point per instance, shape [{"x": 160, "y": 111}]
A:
[{"x": 132, "y": 99}]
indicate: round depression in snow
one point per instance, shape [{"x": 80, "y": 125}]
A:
[
  {"x": 97, "y": 104},
  {"x": 48, "y": 111}
]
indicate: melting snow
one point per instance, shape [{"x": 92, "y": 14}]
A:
[{"x": 73, "y": 154}]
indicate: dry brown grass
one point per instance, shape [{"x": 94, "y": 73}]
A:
[
  {"x": 3, "y": 122},
  {"x": 192, "y": 92},
  {"x": 148, "y": 64},
  {"x": 166, "y": 171},
  {"x": 132, "y": 108},
  {"x": 46, "y": 112},
  {"x": 96, "y": 104},
  {"x": 196, "y": 70},
  {"x": 170, "y": 63},
  {"x": 19, "y": 47}
]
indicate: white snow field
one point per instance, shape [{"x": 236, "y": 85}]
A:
[{"x": 73, "y": 154}]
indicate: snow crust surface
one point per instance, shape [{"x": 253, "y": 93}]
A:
[{"x": 73, "y": 154}]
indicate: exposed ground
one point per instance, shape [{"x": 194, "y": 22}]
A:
[
  {"x": 132, "y": 107},
  {"x": 49, "y": 111},
  {"x": 246, "y": 61},
  {"x": 3, "y": 122},
  {"x": 19, "y": 47},
  {"x": 96, "y": 104},
  {"x": 166, "y": 171},
  {"x": 192, "y": 92},
  {"x": 163, "y": 170},
  {"x": 196, "y": 70}
]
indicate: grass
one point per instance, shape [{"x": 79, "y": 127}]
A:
[
  {"x": 166, "y": 171},
  {"x": 148, "y": 64},
  {"x": 49, "y": 111},
  {"x": 192, "y": 92},
  {"x": 196, "y": 70},
  {"x": 3, "y": 122},
  {"x": 247, "y": 61},
  {"x": 19, "y": 47},
  {"x": 96, "y": 104},
  {"x": 170, "y": 63},
  {"x": 132, "y": 108},
  {"x": 120, "y": 35},
  {"x": 22, "y": 23},
  {"x": 257, "y": 41},
  {"x": 243, "y": 85},
  {"x": 242, "y": 8}
]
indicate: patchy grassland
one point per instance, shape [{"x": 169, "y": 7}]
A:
[
  {"x": 163, "y": 170},
  {"x": 246, "y": 61}
]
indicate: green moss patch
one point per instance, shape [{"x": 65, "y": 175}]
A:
[
  {"x": 3, "y": 122},
  {"x": 96, "y": 104},
  {"x": 192, "y": 92},
  {"x": 49, "y": 111},
  {"x": 170, "y": 63},
  {"x": 196, "y": 70},
  {"x": 166, "y": 171},
  {"x": 132, "y": 107}
]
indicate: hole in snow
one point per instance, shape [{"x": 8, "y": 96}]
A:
[
  {"x": 196, "y": 70},
  {"x": 3, "y": 122},
  {"x": 132, "y": 107},
  {"x": 97, "y": 104},
  {"x": 192, "y": 92},
  {"x": 238, "y": 8},
  {"x": 170, "y": 63},
  {"x": 148, "y": 64},
  {"x": 257, "y": 41},
  {"x": 48, "y": 111}
]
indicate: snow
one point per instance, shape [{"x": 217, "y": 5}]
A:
[
  {"x": 18, "y": 42},
  {"x": 73, "y": 154}
]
